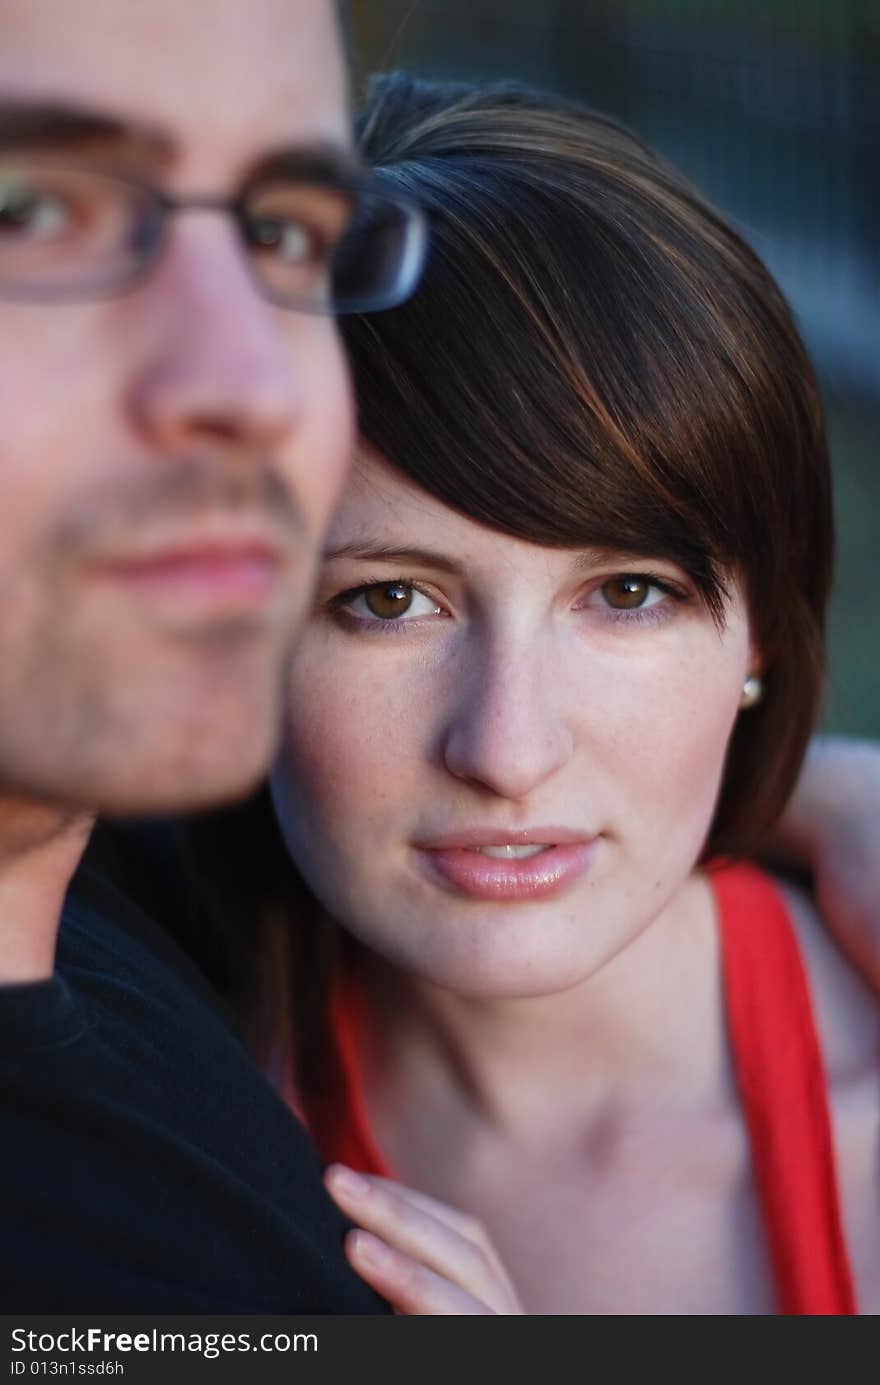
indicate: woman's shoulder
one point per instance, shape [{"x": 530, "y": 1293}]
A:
[{"x": 845, "y": 1007}]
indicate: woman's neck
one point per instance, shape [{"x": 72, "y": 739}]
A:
[{"x": 647, "y": 1027}]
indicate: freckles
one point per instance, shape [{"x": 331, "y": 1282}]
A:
[
  {"x": 340, "y": 749},
  {"x": 317, "y": 764},
  {"x": 663, "y": 738}
]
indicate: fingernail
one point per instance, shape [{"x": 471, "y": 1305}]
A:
[
  {"x": 345, "y": 1181},
  {"x": 371, "y": 1249}
]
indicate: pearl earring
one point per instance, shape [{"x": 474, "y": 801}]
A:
[{"x": 753, "y": 691}]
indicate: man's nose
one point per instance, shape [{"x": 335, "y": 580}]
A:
[
  {"x": 507, "y": 732},
  {"x": 219, "y": 364}
]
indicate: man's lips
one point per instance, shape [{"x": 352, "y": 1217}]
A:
[
  {"x": 505, "y": 864},
  {"x": 227, "y": 571}
]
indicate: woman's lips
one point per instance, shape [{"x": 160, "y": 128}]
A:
[{"x": 514, "y": 875}]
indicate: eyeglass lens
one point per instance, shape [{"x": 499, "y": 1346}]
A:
[{"x": 66, "y": 232}]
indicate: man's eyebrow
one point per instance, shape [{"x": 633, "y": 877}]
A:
[
  {"x": 324, "y": 160},
  {"x": 29, "y": 124},
  {"x": 383, "y": 553},
  {"x": 54, "y": 125}
]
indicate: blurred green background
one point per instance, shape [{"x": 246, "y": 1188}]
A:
[{"x": 773, "y": 108}]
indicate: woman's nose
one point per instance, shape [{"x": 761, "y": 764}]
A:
[{"x": 507, "y": 732}]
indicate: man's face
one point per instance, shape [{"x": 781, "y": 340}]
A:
[{"x": 168, "y": 457}]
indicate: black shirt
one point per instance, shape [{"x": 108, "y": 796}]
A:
[{"x": 146, "y": 1165}]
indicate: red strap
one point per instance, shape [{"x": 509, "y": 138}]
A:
[
  {"x": 783, "y": 1089},
  {"x": 338, "y": 1120}
]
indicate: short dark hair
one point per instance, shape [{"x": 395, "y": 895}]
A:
[{"x": 595, "y": 356}]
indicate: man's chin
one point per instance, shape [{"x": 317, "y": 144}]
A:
[
  {"x": 145, "y": 725},
  {"x": 152, "y": 791},
  {"x": 158, "y": 794},
  {"x": 199, "y": 762},
  {"x": 205, "y": 766}
]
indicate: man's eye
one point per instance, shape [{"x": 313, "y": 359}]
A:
[
  {"x": 289, "y": 240},
  {"x": 40, "y": 214},
  {"x": 297, "y": 223},
  {"x": 388, "y": 601}
]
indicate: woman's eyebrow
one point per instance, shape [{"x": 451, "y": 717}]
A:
[
  {"x": 598, "y": 556},
  {"x": 582, "y": 559},
  {"x": 385, "y": 553}
]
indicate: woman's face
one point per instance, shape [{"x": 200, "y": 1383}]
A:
[{"x": 501, "y": 760}]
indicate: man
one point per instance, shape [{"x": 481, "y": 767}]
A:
[{"x": 173, "y": 437}]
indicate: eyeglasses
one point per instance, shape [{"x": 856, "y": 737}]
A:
[{"x": 336, "y": 245}]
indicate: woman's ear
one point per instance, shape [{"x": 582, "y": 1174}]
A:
[{"x": 757, "y": 664}]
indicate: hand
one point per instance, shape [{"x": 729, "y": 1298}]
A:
[
  {"x": 832, "y": 826},
  {"x": 425, "y": 1258}
]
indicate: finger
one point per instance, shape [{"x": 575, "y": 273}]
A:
[
  {"x": 411, "y": 1288},
  {"x": 452, "y": 1217},
  {"x": 471, "y": 1228},
  {"x": 394, "y": 1214},
  {"x": 395, "y": 1217}
]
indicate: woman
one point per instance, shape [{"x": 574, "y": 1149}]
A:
[{"x": 564, "y": 662}]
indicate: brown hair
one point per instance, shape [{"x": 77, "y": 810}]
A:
[{"x": 594, "y": 357}]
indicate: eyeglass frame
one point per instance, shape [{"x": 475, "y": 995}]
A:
[{"x": 162, "y": 204}]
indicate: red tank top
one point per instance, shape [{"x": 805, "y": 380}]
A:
[{"x": 781, "y": 1081}]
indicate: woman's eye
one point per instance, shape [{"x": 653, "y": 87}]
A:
[
  {"x": 630, "y": 592},
  {"x": 634, "y": 595},
  {"x": 389, "y": 601}
]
